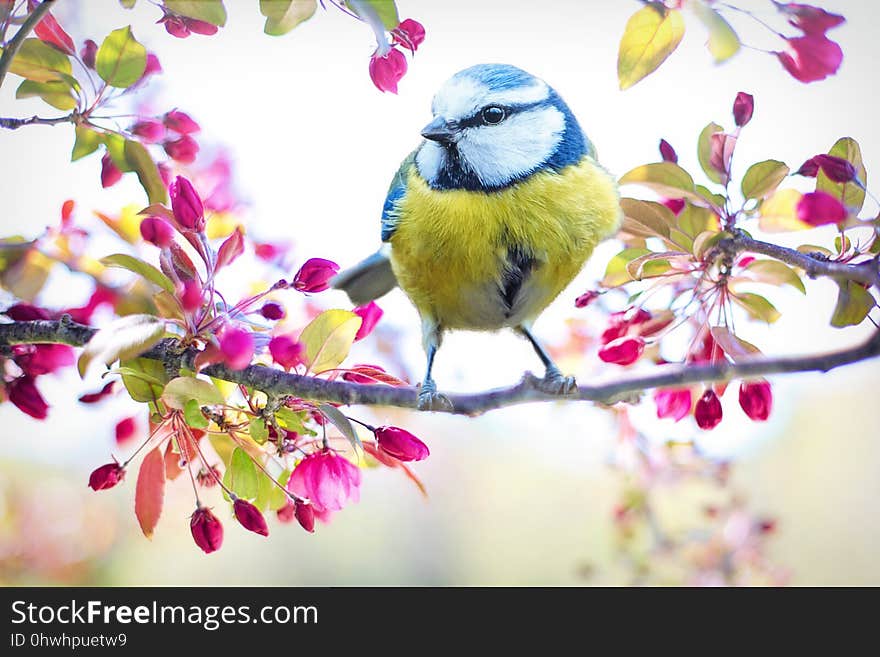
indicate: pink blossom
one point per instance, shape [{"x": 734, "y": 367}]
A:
[
  {"x": 836, "y": 168},
  {"x": 207, "y": 531},
  {"x": 743, "y": 107},
  {"x": 157, "y": 231},
  {"x": 186, "y": 204},
  {"x": 708, "y": 411},
  {"x": 250, "y": 517},
  {"x": 110, "y": 173},
  {"x": 180, "y": 122},
  {"x": 328, "y": 481},
  {"x": 370, "y": 316},
  {"x": 149, "y": 130},
  {"x": 190, "y": 294},
  {"x": 401, "y": 444},
  {"x": 819, "y": 208},
  {"x": 811, "y": 58},
  {"x": 622, "y": 351},
  {"x": 673, "y": 402},
  {"x": 812, "y": 20},
  {"x": 125, "y": 429},
  {"x": 409, "y": 33},
  {"x": 26, "y": 312},
  {"x": 38, "y": 359},
  {"x": 387, "y": 70},
  {"x": 286, "y": 351},
  {"x": 183, "y": 150},
  {"x": 24, "y": 394},
  {"x": 756, "y": 399},
  {"x": 107, "y": 476},
  {"x": 237, "y": 347},
  {"x": 315, "y": 275}
]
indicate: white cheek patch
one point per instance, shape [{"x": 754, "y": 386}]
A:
[
  {"x": 430, "y": 159},
  {"x": 498, "y": 154}
]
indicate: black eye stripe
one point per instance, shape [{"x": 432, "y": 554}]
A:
[{"x": 476, "y": 119}]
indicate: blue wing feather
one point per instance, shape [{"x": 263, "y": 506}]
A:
[{"x": 395, "y": 192}]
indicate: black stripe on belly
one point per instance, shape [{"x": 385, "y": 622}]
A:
[{"x": 519, "y": 265}]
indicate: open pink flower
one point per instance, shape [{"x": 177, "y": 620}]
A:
[
  {"x": 370, "y": 316},
  {"x": 237, "y": 347},
  {"x": 811, "y": 58},
  {"x": 328, "y": 481},
  {"x": 388, "y": 69},
  {"x": 286, "y": 351}
]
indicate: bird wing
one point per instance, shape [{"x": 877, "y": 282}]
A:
[{"x": 396, "y": 190}]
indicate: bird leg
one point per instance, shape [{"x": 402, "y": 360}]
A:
[
  {"x": 429, "y": 399},
  {"x": 554, "y": 382}
]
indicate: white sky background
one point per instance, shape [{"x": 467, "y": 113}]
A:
[{"x": 315, "y": 145}]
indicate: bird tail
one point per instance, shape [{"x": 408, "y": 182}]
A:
[{"x": 368, "y": 280}]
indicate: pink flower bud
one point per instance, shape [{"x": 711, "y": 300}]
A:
[
  {"x": 237, "y": 347},
  {"x": 153, "y": 66},
  {"x": 157, "y": 231},
  {"x": 667, "y": 152},
  {"x": 89, "y": 53},
  {"x": 25, "y": 312},
  {"x": 673, "y": 402},
  {"x": 94, "y": 397},
  {"x": 38, "y": 359},
  {"x": 250, "y": 517},
  {"x": 180, "y": 122},
  {"x": 125, "y": 430},
  {"x": 401, "y": 444},
  {"x": 812, "y": 20},
  {"x": 586, "y": 299},
  {"x": 149, "y": 130},
  {"x": 206, "y": 530},
  {"x": 370, "y": 316},
  {"x": 164, "y": 173},
  {"x": 810, "y": 168},
  {"x": 708, "y": 412},
  {"x": 819, "y": 208},
  {"x": 24, "y": 394},
  {"x": 756, "y": 399},
  {"x": 286, "y": 351},
  {"x": 183, "y": 150},
  {"x": 272, "y": 311},
  {"x": 200, "y": 27},
  {"x": 386, "y": 71},
  {"x": 743, "y": 106},
  {"x": 190, "y": 294},
  {"x": 836, "y": 168},
  {"x": 175, "y": 26},
  {"x": 811, "y": 58},
  {"x": 110, "y": 174},
  {"x": 409, "y": 33},
  {"x": 622, "y": 351},
  {"x": 315, "y": 275},
  {"x": 305, "y": 516},
  {"x": 107, "y": 476},
  {"x": 187, "y": 205}
]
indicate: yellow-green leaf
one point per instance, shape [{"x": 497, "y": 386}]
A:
[
  {"x": 735, "y": 347},
  {"x": 650, "y": 36},
  {"x": 241, "y": 476},
  {"x": 147, "y": 172},
  {"x": 723, "y": 42},
  {"x": 210, "y": 11},
  {"x": 850, "y": 194},
  {"x": 86, "y": 142},
  {"x": 779, "y": 212},
  {"x": 328, "y": 339},
  {"x": 853, "y": 304},
  {"x": 59, "y": 93},
  {"x": 385, "y": 10},
  {"x": 143, "y": 378},
  {"x": 39, "y": 62},
  {"x": 121, "y": 339},
  {"x": 694, "y": 220},
  {"x": 616, "y": 272},
  {"x": 762, "y": 178},
  {"x": 775, "y": 273},
  {"x": 192, "y": 413},
  {"x": 704, "y": 151},
  {"x": 121, "y": 60},
  {"x": 646, "y": 218},
  {"x": 757, "y": 306},
  {"x": 284, "y": 15},
  {"x": 145, "y": 269},
  {"x": 666, "y": 178},
  {"x": 178, "y": 392}
]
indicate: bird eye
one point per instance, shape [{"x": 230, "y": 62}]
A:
[{"x": 493, "y": 115}]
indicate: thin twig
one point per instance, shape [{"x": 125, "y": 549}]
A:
[
  {"x": 15, "y": 43},
  {"x": 14, "y": 124}
]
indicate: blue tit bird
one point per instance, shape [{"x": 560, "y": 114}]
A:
[{"x": 491, "y": 216}]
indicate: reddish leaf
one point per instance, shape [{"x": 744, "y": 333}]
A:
[
  {"x": 172, "y": 462},
  {"x": 364, "y": 373},
  {"x": 49, "y": 31},
  {"x": 150, "y": 491},
  {"x": 230, "y": 249}
]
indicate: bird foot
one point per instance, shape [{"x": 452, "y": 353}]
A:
[
  {"x": 554, "y": 383},
  {"x": 431, "y": 400}
]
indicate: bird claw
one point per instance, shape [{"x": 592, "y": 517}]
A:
[
  {"x": 554, "y": 383},
  {"x": 431, "y": 400}
]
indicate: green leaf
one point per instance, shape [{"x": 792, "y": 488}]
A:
[
  {"x": 143, "y": 378},
  {"x": 706, "y": 240},
  {"x": 853, "y": 304},
  {"x": 241, "y": 476},
  {"x": 386, "y": 10},
  {"x": 328, "y": 338},
  {"x": 59, "y": 94},
  {"x": 116, "y": 149},
  {"x": 616, "y": 272},
  {"x": 127, "y": 4},
  {"x": 144, "y": 269},
  {"x": 723, "y": 41},
  {"x": 121, "y": 339},
  {"x": 289, "y": 420},
  {"x": 277, "y": 498},
  {"x": 704, "y": 151},
  {"x": 775, "y": 273},
  {"x": 147, "y": 171},
  {"x": 180, "y": 391},
  {"x": 651, "y": 35},
  {"x": 757, "y": 306},
  {"x": 693, "y": 220},
  {"x": 39, "y": 62},
  {"x": 666, "y": 178},
  {"x": 121, "y": 60},
  {"x": 86, "y": 143},
  {"x": 646, "y": 218},
  {"x": 192, "y": 413},
  {"x": 341, "y": 422},
  {"x": 735, "y": 347},
  {"x": 257, "y": 429},
  {"x": 210, "y": 11},
  {"x": 651, "y": 264},
  {"x": 762, "y": 178},
  {"x": 284, "y": 15},
  {"x": 850, "y": 194}
]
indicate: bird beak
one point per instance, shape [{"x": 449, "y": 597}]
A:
[{"x": 439, "y": 130}]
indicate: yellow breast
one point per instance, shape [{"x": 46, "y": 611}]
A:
[{"x": 450, "y": 247}]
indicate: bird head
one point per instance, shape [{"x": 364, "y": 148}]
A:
[{"x": 494, "y": 125}]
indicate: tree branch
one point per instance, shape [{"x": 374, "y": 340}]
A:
[
  {"x": 14, "y": 124},
  {"x": 277, "y": 382},
  {"x": 15, "y": 43}
]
